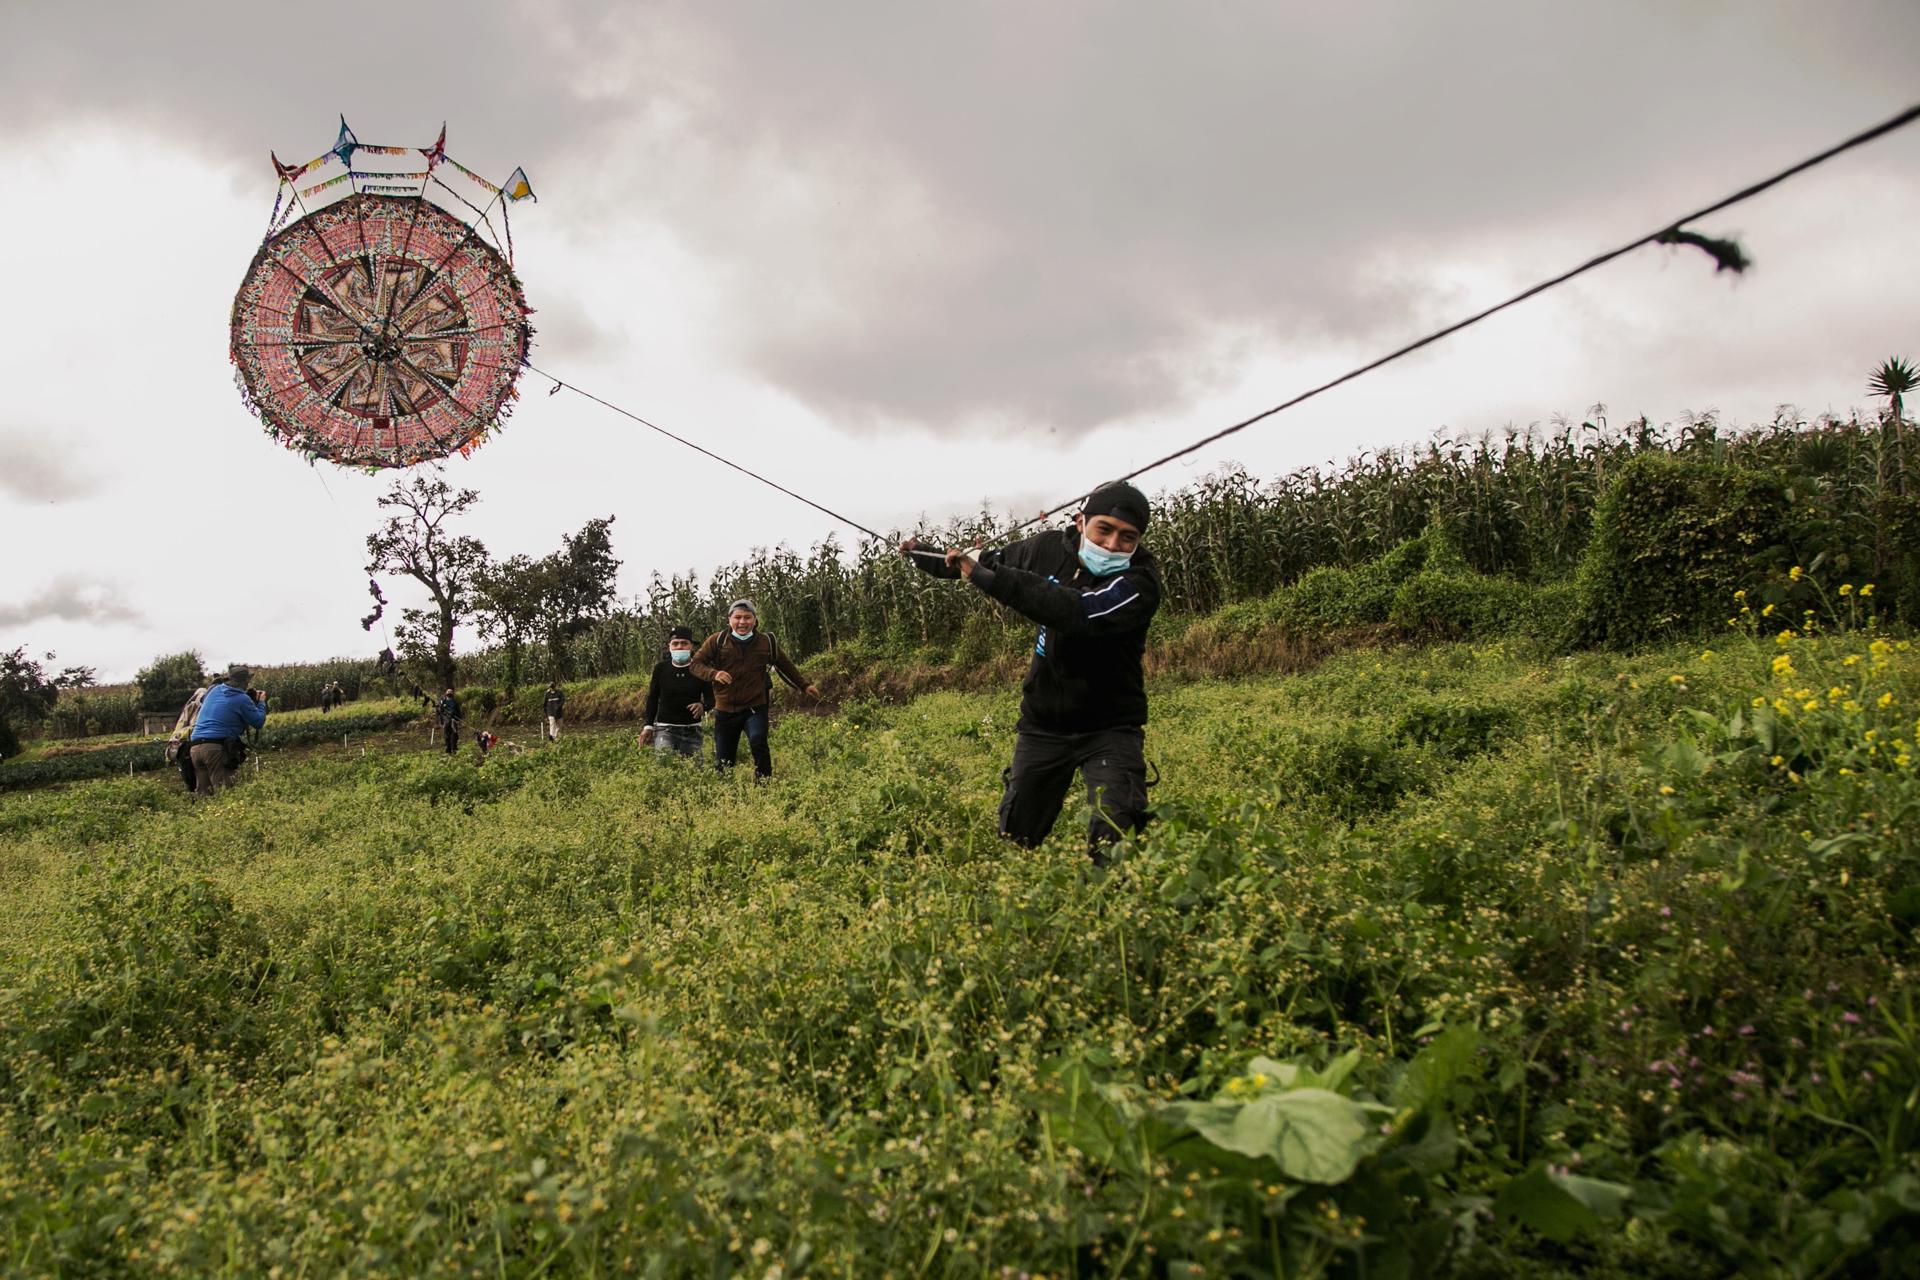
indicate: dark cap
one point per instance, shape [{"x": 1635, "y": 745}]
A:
[
  {"x": 681, "y": 633},
  {"x": 1119, "y": 499}
]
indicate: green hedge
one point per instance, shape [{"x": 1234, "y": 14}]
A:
[
  {"x": 151, "y": 754},
  {"x": 1673, "y": 539}
]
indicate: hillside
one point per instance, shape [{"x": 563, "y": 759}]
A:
[{"x": 1456, "y": 959}]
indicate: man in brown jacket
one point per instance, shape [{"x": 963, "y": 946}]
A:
[{"x": 736, "y": 661}]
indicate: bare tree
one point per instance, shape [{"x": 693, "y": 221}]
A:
[{"x": 416, "y": 543}]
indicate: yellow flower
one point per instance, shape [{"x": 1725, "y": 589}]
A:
[
  {"x": 1811, "y": 704},
  {"x": 1846, "y": 588},
  {"x": 1679, "y": 680},
  {"x": 1867, "y": 590},
  {"x": 1834, "y": 692},
  {"x": 1767, "y": 612},
  {"x": 1706, "y": 655},
  {"x": 1783, "y": 706},
  {"x": 1739, "y": 595},
  {"x": 1886, "y": 700},
  {"x": 1852, "y": 706},
  {"x": 1785, "y": 637},
  {"x": 1777, "y": 761},
  {"x": 1665, "y": 790},
  {"x": 1796, "y": 573},
  {"x": 1881, "y": 648},
  {"x": 1759, "y": 702},
  {"x": 1853, "y": 660},
  {"x": 1903, "y": 759},
  {"x": 1846, "y": 773}
]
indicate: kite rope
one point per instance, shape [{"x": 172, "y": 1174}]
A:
[
  {"x": 1668, "y": 233},
  {"x": 653, "y": 426},
  {"x": 1726, "y": 257}
]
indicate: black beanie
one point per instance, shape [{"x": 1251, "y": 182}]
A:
[
  {"x": 680, "y": 633},
  {"x": 1118, "y": 498}
]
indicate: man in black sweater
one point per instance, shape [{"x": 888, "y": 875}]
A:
[
  {"x": 676, "y": 700},
  {"x": 1083, "y": 706}
]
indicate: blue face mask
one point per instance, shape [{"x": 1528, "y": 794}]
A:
[
  {"x": 681, "y": 657},
  {"x": 743, "y": 636},
  {"x": 1099, "y": 561}
]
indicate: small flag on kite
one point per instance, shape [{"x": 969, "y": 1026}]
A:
[
  {"x": 438, "y": 151},
  {"x": 518, "y": 188},
  {"x": 346, "y": 144}
]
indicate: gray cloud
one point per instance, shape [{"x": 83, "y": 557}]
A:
[
  {"x": 38, "y": 469},
  {"x": 1045, "y": 217},
  {"x": 69, "y": 598}
]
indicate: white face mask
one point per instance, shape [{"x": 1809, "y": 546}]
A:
[{"x": 681, "y": 657}]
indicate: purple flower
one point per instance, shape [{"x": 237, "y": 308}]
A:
[
  {"x": 1666, "y": 911},
  {"x": 1850, "y": 1017},
  {"x": 1747, "y": 1030}
]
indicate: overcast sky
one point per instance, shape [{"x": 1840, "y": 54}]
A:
[{"x": 906, "y": 258}]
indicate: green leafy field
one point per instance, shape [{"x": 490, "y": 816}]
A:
[{"x": 1444, "y": 960}]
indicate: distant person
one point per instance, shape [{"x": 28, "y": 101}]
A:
[
  {"x": 447, "y": 715},
  {"x": 218, "y": 743},
  {"x": 485, "y": 741},
  {"x": 554, "y": 707},
  {"x": 735, "y": 662},
  {"x": 676, "y": 700},
  {"x": 1083, "y": 705},
  {"x": 326, "y": 698},
  {"x": 179, "y": 746}
]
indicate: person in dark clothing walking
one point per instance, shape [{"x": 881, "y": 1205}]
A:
[
  {"x": 1083, "y": 706},
  {"x": 554, "y": 705},
  {"x": 736, "y": 661},
  {"x": 676, "y": 700},
  {"x": 447, "y": 714}
]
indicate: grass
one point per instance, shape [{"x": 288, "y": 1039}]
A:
[{"x": 1464, "y": 959}]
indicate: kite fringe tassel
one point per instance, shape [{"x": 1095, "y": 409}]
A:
[{"x": 1727, "y": 254}]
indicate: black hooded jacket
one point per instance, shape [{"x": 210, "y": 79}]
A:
[{"x": 1086, "y": 672}]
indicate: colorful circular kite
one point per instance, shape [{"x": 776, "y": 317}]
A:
[{"x": 380, "y": 330}]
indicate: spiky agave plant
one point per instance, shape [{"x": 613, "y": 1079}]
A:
[{"x": 1894, "y": 380}]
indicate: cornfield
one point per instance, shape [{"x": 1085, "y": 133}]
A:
[{"x": 1518, "y": 504}]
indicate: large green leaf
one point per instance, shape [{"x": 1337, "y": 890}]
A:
[
  {"x": 1313, "y": 1135},
  {"x": 1559, "y": 1205},
  {"x": 1430, "y": 1077}
]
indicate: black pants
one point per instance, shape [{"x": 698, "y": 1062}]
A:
[
  {"x": 727, "y": 727},
  {"x": 451, "y": 735},
  {"x": 1111, "y": 761}
]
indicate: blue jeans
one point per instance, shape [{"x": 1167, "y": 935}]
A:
[
  {"x": 676, "y": 740},
  {"x": 727, "y": 727}
]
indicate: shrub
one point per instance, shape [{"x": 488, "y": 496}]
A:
[
  {"x": 1447, "y": 604},
  {"x": 1673, "y": 539},
  {"x": 170, "y": 681},
  {"x": 1456, "y": 727},
  {"x": 1354, "y": 771}
]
